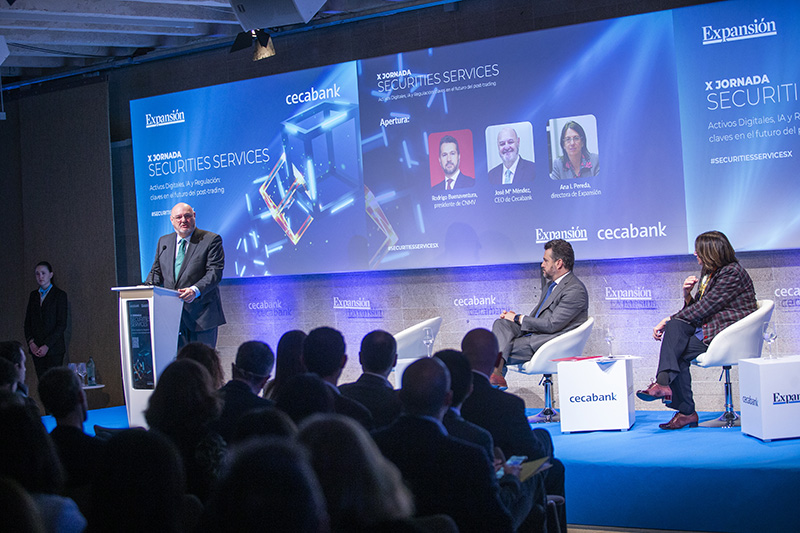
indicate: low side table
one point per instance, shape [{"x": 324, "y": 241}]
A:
[
  {"x": 596, "y": 394},
  {"x": 769, "y": 391}
]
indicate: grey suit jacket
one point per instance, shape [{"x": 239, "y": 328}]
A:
[
  {"x": 202, "y": 267},
  {"x": 566, "y": 308}
]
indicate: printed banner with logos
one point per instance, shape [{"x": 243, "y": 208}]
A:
[{"x": 627, "y": 137}]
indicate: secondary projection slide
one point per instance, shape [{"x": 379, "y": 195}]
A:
[
  {"x": 271, "y": 164},
  {"x": 543, "y": 135},
  {"x": 741, "y": 120}
]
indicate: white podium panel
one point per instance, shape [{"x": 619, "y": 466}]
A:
[
  {"x": 149, "y": 318},
  {"x": 770, "y": 397},
  {"x": 596, "y": 394}
]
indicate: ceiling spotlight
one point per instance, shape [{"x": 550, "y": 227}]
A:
[
  {"x": 263, "y": 46},
  {"x": 259, "y": 40}
]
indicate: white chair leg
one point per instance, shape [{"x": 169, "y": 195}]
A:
[{"x": 729, "y": 418}]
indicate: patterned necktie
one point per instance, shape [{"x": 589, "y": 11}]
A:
[
  {"x": 449, "y": 184},
  {"x": 179, "y": 257},
  {"x": 546, "y": 296},
  {"x": 507, "y": 177}
]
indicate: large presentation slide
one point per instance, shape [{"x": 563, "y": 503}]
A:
[{"x": 627, "y": 137}]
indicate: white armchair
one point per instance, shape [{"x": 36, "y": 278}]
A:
[
  {"x": 570, "y": 344},
  {"x": 410, "y": 345},
  {"x": 740, "y": 340}
]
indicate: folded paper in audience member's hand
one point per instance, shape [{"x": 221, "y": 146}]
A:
[{"x": 534, "y": 467}]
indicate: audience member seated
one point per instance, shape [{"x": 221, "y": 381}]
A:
[
  {"x": 515, "y": 495},
  {"x": 288, "y": 362},
  {"x": 268, "y": 485},
  {"x": 263, "y": 422},
  {"x": 324, "y": 355},
  {"x": 140, "y": 486},
  {"x": 13, "y": 352},
  {"x": 445, "y": 474},
  {"x": 183, "y": 406},
  {"x": 250, "y": 372},
  {"x": 19, "y": 509},
  {"x": 206, "y": 356},
  {"x": 9, "y": 376},
  {"x": 363, "y": 490},
  {"x": 28, "y": 456},
  {"x": 305, "y": 395},
  {"x": 503, "y": 414},
  {"x": 63, "y": 397},
  {"x": 378, "y": 357}
]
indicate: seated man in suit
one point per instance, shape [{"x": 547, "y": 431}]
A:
[
  {"x": 250, "y": 371},
  {"x": 62, "y": 395},
  {"x": 378, "y": 357},
  {"x": 446, "y": 475},
  {"x": 324, "y": 355},
  {"x": 513, "y": 170},
  {"x": 503, "y": 414},
  {"x": 563, "y": 305}
]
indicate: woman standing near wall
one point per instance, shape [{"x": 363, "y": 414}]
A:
[{"x": 46, "y": 321}]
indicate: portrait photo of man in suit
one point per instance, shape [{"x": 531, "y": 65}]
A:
[
  {"x": 191, "y": 261},
  {"x": 450, "y": 162},
  {"x": 513, "y": 168}
]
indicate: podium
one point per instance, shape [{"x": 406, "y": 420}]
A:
[{"x": 149, "y": 320}]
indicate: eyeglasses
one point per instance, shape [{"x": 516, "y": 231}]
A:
[
  {"x": 575, "y": 139},
  {"x": 188, "y": 216}
]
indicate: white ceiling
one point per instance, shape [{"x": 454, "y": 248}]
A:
[{"x": 49, "y": 37}]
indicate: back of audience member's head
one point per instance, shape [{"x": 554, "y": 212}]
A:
[
  {"x": 206, "y": 356},
  {"x": 184, "y": 401},
  {"x": 268, "y": 485},
  {"x": 27, "y": 455},
  {"x": 60, "y": 391},
  {"x": 426, "y": 388},
  {"x": 139, "y": 484},
  {"x": 288, "y": 361},
  {"x": 361, "y": 487},
  {"x": 324, "y": 351},
  {"x": 378, "y": 352},
  {"x": 20, "y": 513},
  {"x": 13, "y": 352},
  {"x": 481, "y": 349},
  {"x": 9, "y": 375},
  {"x": 460, "y": 374},
  {"x": 254, "y": 360},
  {"x": 263, "y": 422},
  {"x": 305, "y": 395}
]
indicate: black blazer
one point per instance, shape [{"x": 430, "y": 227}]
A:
[
  {"x": 376, "y": 395},
  {"x": 45, "y": 324},
  {"x": 446, "y": 475}
]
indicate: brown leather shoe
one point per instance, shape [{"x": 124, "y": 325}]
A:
[
  {"x": 655, "y": 392},
  {"x": 498, "y": 381},
  {"x": 681, "y": 420}
]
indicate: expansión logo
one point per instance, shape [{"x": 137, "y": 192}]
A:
[
  {"x": 154, "y": 121},
  {"x": 357, "y": 308},
  {"x": 755, "y": 29},
  {"x": 575, "y": 233}
]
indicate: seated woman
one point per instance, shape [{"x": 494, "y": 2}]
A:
[{"x": 724, "y": 296}]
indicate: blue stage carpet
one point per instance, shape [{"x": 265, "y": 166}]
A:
[{"x": 696, "y": 479}]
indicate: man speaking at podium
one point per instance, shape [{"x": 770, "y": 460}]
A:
[{"x": 191, "y": 261}]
